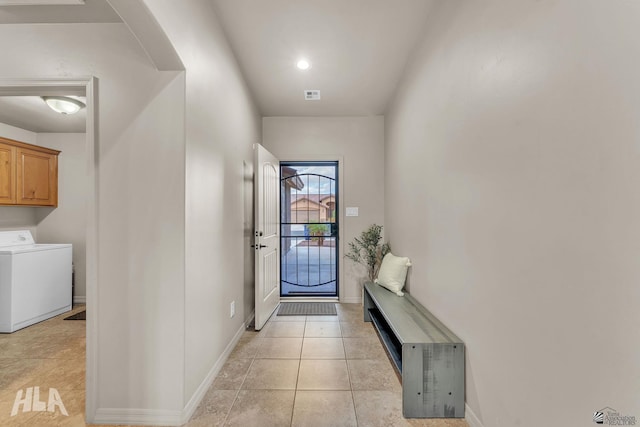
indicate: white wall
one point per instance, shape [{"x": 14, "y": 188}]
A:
[
  {"x": 359, "y": 143},
  {"x": 141, "y": 206},
  {"x": 142, "y": 258},
  {"x": 18, "y": 134},
  {"x": 18, "y": 217},
  {"x": 67, "y": 223},
  {"x": 512, "y": 170},
  {"x": 222, "y": 124}
]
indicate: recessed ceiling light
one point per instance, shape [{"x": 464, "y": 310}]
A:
[
  {"x": 303, "y": 64},
  {"x": 63, "y": 104}
]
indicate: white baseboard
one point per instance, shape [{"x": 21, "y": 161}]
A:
[
  {"x": 471, "y": 418},
  {"x": 137, "y": 417},
  {"x": 249, "y": 319},
  {"x": 169, "y": 418},
  {"x": 198, "y": 395},
  {"x": 79, "y": 299}
]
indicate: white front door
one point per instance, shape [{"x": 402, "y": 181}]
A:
[{"x": 267, "y": 234}]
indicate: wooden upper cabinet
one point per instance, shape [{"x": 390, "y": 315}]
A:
[
  {"x": 7, "y": 174},
  {"x": 30, "y": 175},
  {"x": 37, "y": 182}
]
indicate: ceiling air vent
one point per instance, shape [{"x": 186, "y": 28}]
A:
[{"x": 312, "y": 95}]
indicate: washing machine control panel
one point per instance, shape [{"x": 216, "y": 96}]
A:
[{"x": 16, "y": 238}]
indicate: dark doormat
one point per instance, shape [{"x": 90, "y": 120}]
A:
[
  {"x": 81, "y": 315},
  {"x": 307, "y": 309}
]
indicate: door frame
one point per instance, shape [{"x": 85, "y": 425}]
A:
[
  {"x": 88, "y": 87},
  {"x": 338, "y": 222},
  {"x": 341, "y": 221}
]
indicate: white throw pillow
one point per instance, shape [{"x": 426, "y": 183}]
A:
[{"x": 393, "y": 273}]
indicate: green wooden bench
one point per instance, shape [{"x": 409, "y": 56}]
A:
[{"x": 427, "y": 355}]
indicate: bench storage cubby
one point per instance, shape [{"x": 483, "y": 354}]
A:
[{"x": 426, "y": 354}]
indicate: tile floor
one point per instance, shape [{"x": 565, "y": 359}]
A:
[
  {"x": 297, "y": 371},
  {"x": 45, "y": 355},
  {"x": 309, "y": 371}
]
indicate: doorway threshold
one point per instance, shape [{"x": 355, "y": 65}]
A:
[{"x": 309, "y": 298}]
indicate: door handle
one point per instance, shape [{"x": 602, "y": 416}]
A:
[{"x": 258, "y": 246}]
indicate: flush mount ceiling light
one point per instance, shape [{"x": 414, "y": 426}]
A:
[
  {"x": 303, "y": 64},
  {"x": 63, "y": 104}
]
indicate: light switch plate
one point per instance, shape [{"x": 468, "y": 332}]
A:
[{"x": 352, "y": 211}]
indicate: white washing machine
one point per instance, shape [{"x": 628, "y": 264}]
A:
[{"x": 35, "y": 280}]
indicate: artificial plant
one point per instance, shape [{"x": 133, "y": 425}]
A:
[{"x": 368, "y": 251}]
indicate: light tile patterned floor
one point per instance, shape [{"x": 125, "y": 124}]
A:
[
  {"x": 311, "y": 371},
  {"x": 50, "y": 354},
  {"x": 298, "y": 371}
]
